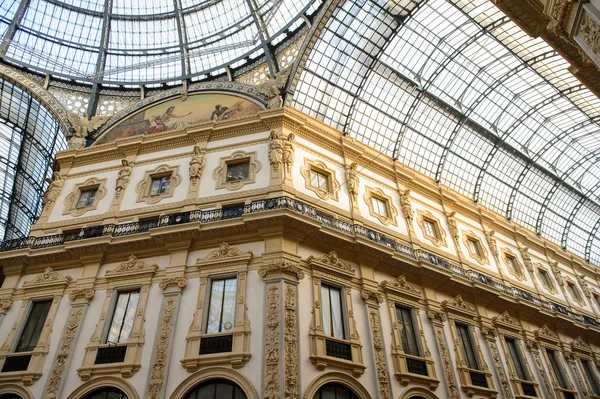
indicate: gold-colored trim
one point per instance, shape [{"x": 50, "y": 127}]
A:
[
  {"x": 519, "y": 274},
  {"x": 372, "y": 192},
  {"x": 143, "y": 187},
  {"x": 72, "y": 199},
  {"x": 482, "y": 259},
  {"x": 426, "y": 216},
  {"x": 333, "y": 185},
  {"x": 220, "y": 173}
]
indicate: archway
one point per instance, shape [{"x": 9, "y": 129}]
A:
[
  {"x": 336, "y": 384},
  {"x": 211, "y": 377},
  {"x": 104, "y": 384}
]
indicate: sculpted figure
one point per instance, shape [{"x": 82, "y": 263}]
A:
[
  {"x": 489, "y": 234},
  {"x": 557, "y": 273},
  {"x": 123, "y": 178},
  {"x": 288, "y": 153},
  {"x": 83, "y": 126},
  {"x": 56, "y": 184},
  {"x": 353, "y": 182},
  {"x": 452, "y": 225},
  {"x": 407, "y": 210},
  {"x": 584, "y": 285},
  {"x": 275, "y": 150},
  {"x": 527, "y": 259},
  {"x": 197, "y": 164},
  {"x": 272, "y": 88}
]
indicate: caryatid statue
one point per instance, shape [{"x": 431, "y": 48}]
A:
[
  {"x": 353, "y": 182},
  {"x": 289, "y": 153},
  {"x": 407, "y": 210},
  {"x": 56, "y": 184},
  {"x": 123, "y": 177},
  {"x": 197, "y": 164},
  {"x": 275, "y": 150}
]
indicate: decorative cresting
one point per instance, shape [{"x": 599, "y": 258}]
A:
[
  {"x": 143, "y": 187},
  {"x": 90, "y": 184},
  {"x": 400, "y": 292},
  {"x": 49, "y": 284},
  {"x": 459, "y": 311},
  {"x": 482, "y": 257},
  {"x": 439, "y": 237},
  {"x": 549, "y": 339},
  {"x": 517, "y": 272},
  {"x": 223, "y": 261},
  {"x": 508, "y": 327},
  {"x": 373, "y": 193},
  {"x": 330, "y": 269},
  {"x": 333, "y": 185},
  {"x": 132, "y": 273},
  {"x": 220, "y": 173}
]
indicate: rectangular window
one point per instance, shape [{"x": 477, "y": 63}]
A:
[
  {"x": 597, "y": 299},
  {"x": 86, "y": 197},
  {"x": 556, "y": 368},
  {"x": 517, "y": 358},
  {"x": 430, "y": 228},
  {"x": 512, "y": 264},
  {"x": 591, "y": 375},
  {"x": 574, "y": 291},
  {"x": 33, "y": 326},
  {"x": 221, "y": 308},
  {"x": 466, "y": 341},
  {"x": 238, "y": 171},
  {"x": 380, "y": 207},
  {"x": 545, "y": 278},
  {"x": 160, "y": 185},
  {"x": 319, "y": 180},
  {"x": 474, "y": 247},
  {"x": 123, "y": 317},
  {"x": 408, "y": 332},
  {"x": 333, "y": 321}
]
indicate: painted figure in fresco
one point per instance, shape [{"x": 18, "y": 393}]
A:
[
  {"x": 169, "y": 124},
  {"x": 219, "y": 109}
]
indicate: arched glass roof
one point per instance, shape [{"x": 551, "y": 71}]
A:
[
  {"x": 143, "y": 41},
  {"x": 457, "y": 91}
]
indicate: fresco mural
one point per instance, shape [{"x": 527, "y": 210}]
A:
[{"x": 177, "y": 114}]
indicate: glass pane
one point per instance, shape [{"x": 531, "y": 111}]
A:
[
  {"x": 216, "y": 304},
  {"x": 593, "y": 379},
  {"x": 408, "y": 333},
  {"x": 33, "y": 327},
  {"x": 91, "y": 197},
  {"x": 155, "y": 187},
  {"x": 164, "y": 184},
  {"x": 380, "y": 207},
  {"x": 229, "y": 305},
  {"x": 123, "y": 317},
  {"x": 467, "y": 344},
  {"x": 430, "y": 229},
  {"x": 545, "y": 279},
  {"x": 83, "y": 199},
  {"x": 238, "y": 171},
  {"x": 129, "y": 317},
  {"x": 336, "y": 313},
  {"x": 326, "y": 309},
  {"x": 556, "y": 368},
  {"x": 517, "y": 360},
  {"x": 474, "y": 245}
]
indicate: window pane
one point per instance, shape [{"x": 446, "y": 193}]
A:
[
  {"x": 229, "y": 304},
  {"x": 430, "y": 229},
  {"x": 221, "y": 316},
  {"x": 238, "y": 171},
  {"x": 544, "y": 277},
  {"x": 474, "y": 245},
  {"x": 517, "y": 360},
  {"x": 408, "y": 333},
  {"x": 129, "y": 317},
  {"x": 123, "y": 317},
  {"x": 336, "y": 312},
  {"x": 326, "y": 309},
  {"x": 468, "y": 347},
  {"x": 165, "y": 182},
  {"x": 155, "y": 187},
  {"x": 587, "y": 367},
  {"x": 33, "y": 327},
  {"x": 556, "y": 368},
  {"x": 380, "y": 207}
]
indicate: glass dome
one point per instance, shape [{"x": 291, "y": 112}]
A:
[{"x": 133, "y": 42}]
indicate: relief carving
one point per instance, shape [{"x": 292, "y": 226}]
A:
[
  {"x": 123, "y": 177},
  {"x": 53, "y": 191},
  {"x": 589, "y": 32},
  {"x": 197, "y": 164},
  {"x": 49, "y": 276},
  {"x": 498, "y": 363},
  {"x": 382, "y": 375},
  {"x": 447, "y": 363},
  {"x": 353, "y": 183},
  {"x": 162, "y": 348},
  {"x": 133, "y": 265},
  {"x": 271, "y": 383},
  {"x": 291, "y": 343},
  {"x": 225, "y": 251}
]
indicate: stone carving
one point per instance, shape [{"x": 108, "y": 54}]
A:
[
  {"x": 179, "y": 282},
  {"x": 271, "y": 381},
  {"x": 197, "y": 164},
  {"x": 589, "y": 31},
  {"x": 291, "y": 343},
  {"x": 289, "y": 154},
  {"x": 452, "y": 225},
  {"x": 161, "y": 352},
  {"x": 86, "y": 294},
  {"x": 133, "y": 265},
  {"x": 399, "y": 283},
  {"x": 51, "y": 195},
  {"x": 353, "y": 182},
  {"x": 275, "y": 150},
  {"x": 545, "y": 332},
  {"x": 538, "y": 362},
  {"x": 458, "y": 303},
  {"x": 5, "y": 303},
  {"x": 382, "y": 374},
  {"x": 331, "y": 259},
  {"x": 272, "y": 88},
  {"x": 489, "y": 235},
  {"x": 225, "y": 251},
  {"x": 557, "y": 273},
  {"x": 407, "y": 210},
  {"x": 123, "y": 177},
  {"x": 48, "y": 276},
  {"x": 498, "y": 363},
  {"x": 64, "y": 351},
  {"x": 584, "y": 285},
  {"x": 283, "y": 267},
  {"x": 446, "y": 363},
  {"x": 581, "y": 344},
  {"x": 504, "y": 318},
  {"x": 370, "y": 294},
  {"x": 527, "y": 259},
  {"x": 81, "y": 128}
]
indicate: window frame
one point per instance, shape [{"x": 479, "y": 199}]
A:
[
  {"x": 220, "y": 172},
  {"x": 113, "y": 307},
  {"x": 72, "y": 199},
  {"x": 481, "y": 256},
  {"x": 548, "y": 339},
  {"x": 236, "y": 163},
  {"x": 423, "y": 218},
  {"x": 318, "y": 166},
  {"x": 541, "y": 270},
  {"x": 343, "y": 310},
  {"x": 518, "y": 271},
  {"x": 144, "y": 186},
  {"x": 159, "y": 178},
  {"x": 26, "y": 319},
  {"x": 372, "y": 193},
  {"x": 208, "y": 300}
]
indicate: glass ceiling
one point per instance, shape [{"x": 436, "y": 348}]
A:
[
  {"x": 455, "y": 90},
  {"x": 143, "y": 41}
]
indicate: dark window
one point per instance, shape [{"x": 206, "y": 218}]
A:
[
  {"x": 334, "y": 391},
  {"x": 512, "y": 264},
  {"x": 333, "y": 321},
  {"x": 545, "y": 278},
  {"x": 123, "y": 317},
  {"x": 466, "y": 341},
  {"x": 160, "y": 185},
  {"x": 591, "y": 375},
  {"x": 556, "y": 368},
  {"x": 217, "y": 389},
  {"x": 221, "y": 309},
  {"x": 86, "y": 197},
  {"x": 238, "y": 171},
  {"x": 33, "y": 327},
  {"x": 408, "y": 334},
  {"x": 106, "y": 393},
  {"x": 10, "y": 396},
  {"x": 517, "y": 358},
  {"x": 596, "y": 298}
]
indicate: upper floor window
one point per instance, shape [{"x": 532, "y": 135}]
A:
[
  {"x": 597, "y": 300},
  {"x": 574, "y": 291},
  {"x": 557, "y": 369},
  {"x": 86, "y": 197},
  {"x": 512, "y": 264},
  {"x": 334, "y": 391},
  {"x": 238, "y": 171},
  {"x": 160, "y": 185},
  {"x": 33, "y": 326},
  {"x": 408, "y": 333},
  {"x": 475, "y": 247},
  {"x": 380, "y": 207},
  {"x": 319, "y": 180},
  {"x": 333, "y": 321},
  {"x": 123, "y": 316},
  {"x": 545, "y": 278},
  {"x": 221, "y": 308},
  {"x": 217, "y": 389},
  {"x": 430, "y": 228},
  {"x": 106, "y": 393},
  {"x": 468, "y": 346},
  {"x": 516, "y": 358},
  {"x": 591, "y": 376}
]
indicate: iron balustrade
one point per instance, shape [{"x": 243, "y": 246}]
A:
[
  {"x": 16, "y": 363},
  {"x": 478, "y": 379},
  {"x": 416, "y": 366},
  {"x": 111, "y": 354},
  {"x": 310, "y": 211},
  {"x": 568, "y": 395},
  {"x": 341, "y": 350},
  {"x": 216, "y": 344},
  {"x": 528, "y": 389}
]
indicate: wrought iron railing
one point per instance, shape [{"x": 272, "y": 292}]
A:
[
  {"x": 416, "y": 366},
  {"x": 341, "y": 350},
  {"x": 478, "y": 379},
  {"x": 310, "y": 211},
  {"x": 216, "y": 344},
  {"x": 528, "y": 389},
  {"x": 111, "y": 354},
  {"x": 16, "y": 363}
]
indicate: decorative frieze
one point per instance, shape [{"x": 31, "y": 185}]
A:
[
  {"x": 162, "y": 349},
  {"x": 272, "y": 378},
  {"x": 291, "y": 390},
  {"x": 379, "y": 355}
]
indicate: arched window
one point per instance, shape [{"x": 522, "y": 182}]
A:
[
  {"x": 107, "y": 393},
  {"x": 334, "y": 391},
  {"x": 217, "y": 389},
  {"x": 10, "y": 396}
]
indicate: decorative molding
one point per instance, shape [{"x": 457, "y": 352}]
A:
[
  {"x": 133, "y": 267},
  {"x": 544, "y": 333},
  {"x": 371, "y": 295},
  {"x": 101, "y": 382},
  {"x": 197, "y": 164},
  {"x": 401, "y": 288},
  {"x": 72, "y": 199},
  {"x": 446, "y": 362},
  {"x": 504, "y": 320},
  {"x": 333, "y": 185},
  {"x": 426, "y": 216},
  {"x": 220, "y": 173},
  {"x": 499, "y": 368},
  {"x": 552, "y": 288},
  {"x": 519, "y": 273},
  {"x": 290, "y": 337},
  {"x": 339, "y": 378},
  {"x": 214, "y": 373},
  {"x": 85, "y": 294},
  {"x": 482, "y": 259},
  {"x": 378, "y": 354},
  {"x": 224, "y": 252},
  {"x": 331, "y": 266},
  {"x": 49, "y": 278},
  {"x": 542, "y": 372},
  {"x": 282, "y": 269},
  {"x": 458, "y": 306},
  {"x": 143, "y": 187},
  {"x": 272, "y": 378},
  {"x": 162, "y": 350},
  {"x": 178, "y": 282},
  {"x": 370, "y": 194}
]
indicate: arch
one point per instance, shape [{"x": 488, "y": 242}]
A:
[
  {"x": 339, "y": 378},
  {"x": 106, "y": 391},
  {"x": 214, "y": 373},
  {"x": 9, "y": 388},
  {"x": 100, "y": 382},
  {"x": 417, "y": 392}
]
